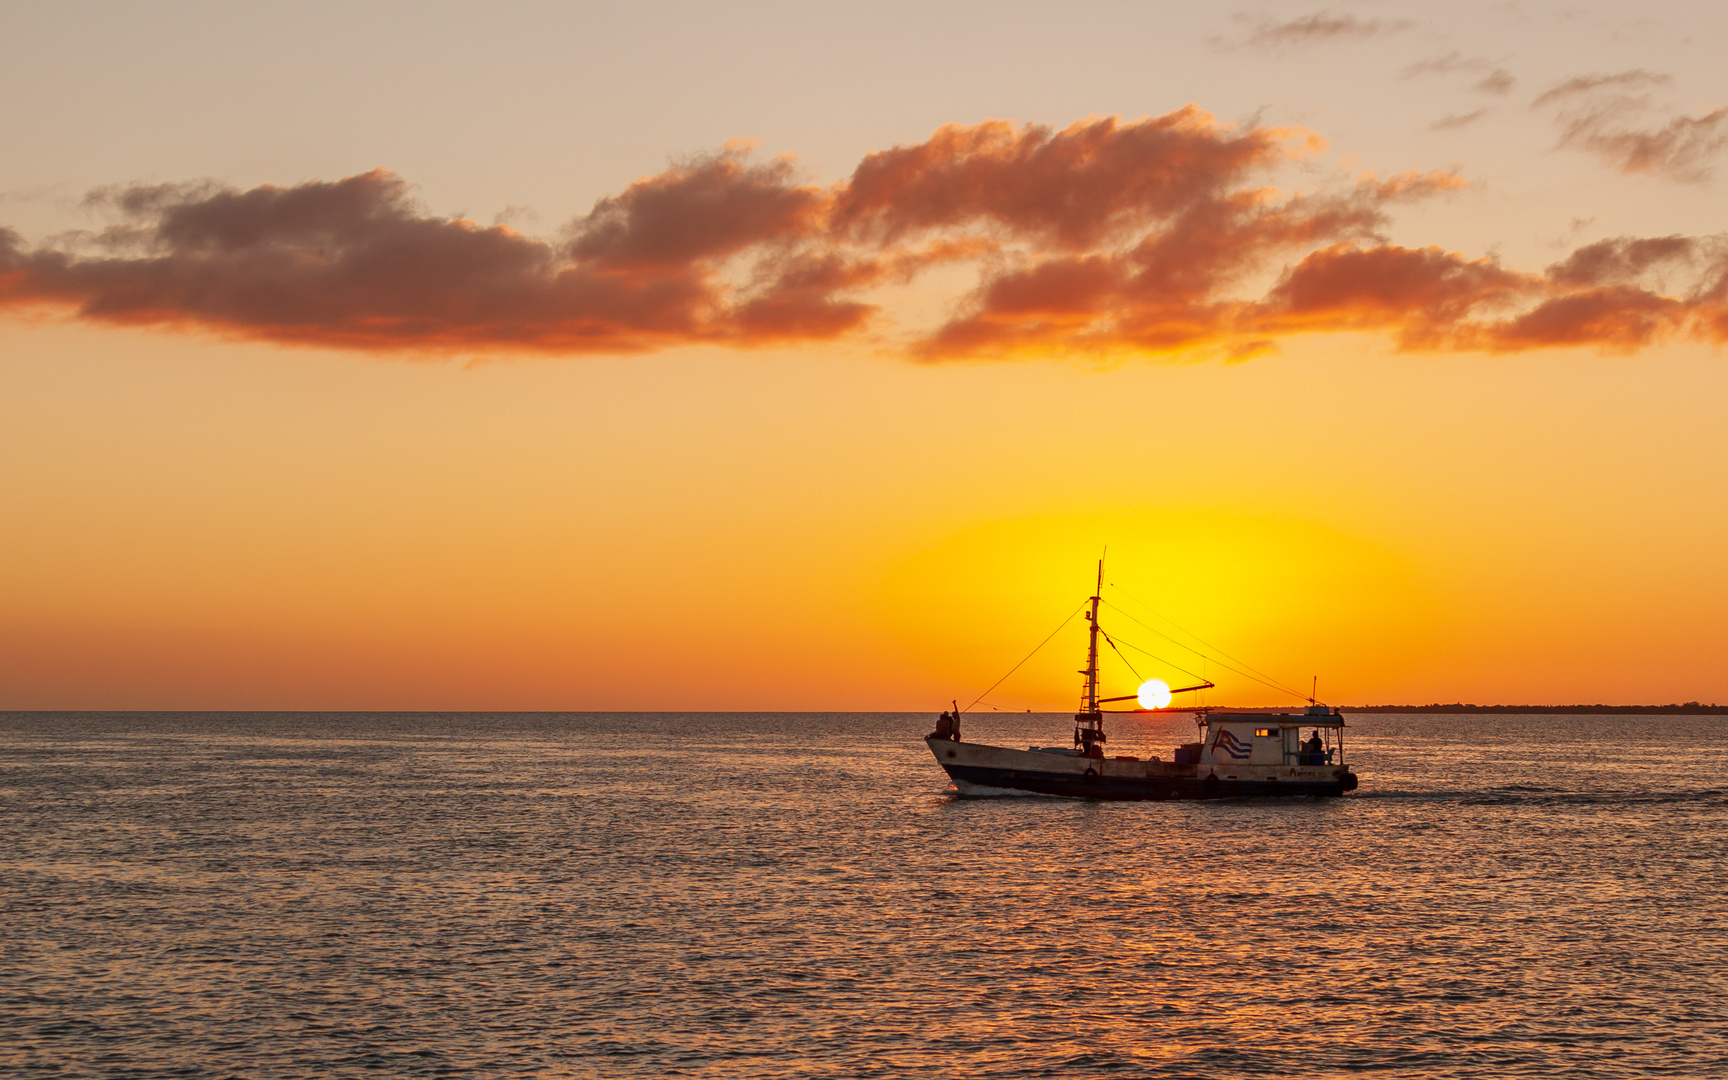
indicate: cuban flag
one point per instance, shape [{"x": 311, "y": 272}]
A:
[{"x": 1228, "y": 743}]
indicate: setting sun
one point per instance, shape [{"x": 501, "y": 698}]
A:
[{"x": 1154, "y": 694}]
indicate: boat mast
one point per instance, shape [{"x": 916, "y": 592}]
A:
[
  {"x": 1089, "y": 723},
  {"x": 1092, "y": 649}
]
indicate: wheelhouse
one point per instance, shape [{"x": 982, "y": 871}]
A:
[{"x": 1314, "y": 736}]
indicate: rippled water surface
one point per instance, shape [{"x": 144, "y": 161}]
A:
[{"x": 774, "y": 896}]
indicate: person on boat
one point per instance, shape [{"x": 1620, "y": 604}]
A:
[
  {"x": 1315, "y": 750},
  {"x": 944, "y": 727}
]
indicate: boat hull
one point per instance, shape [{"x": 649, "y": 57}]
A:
[{"x": 982, "y": 769}]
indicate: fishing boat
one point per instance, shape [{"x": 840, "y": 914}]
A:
[{"x": 1239, "y": 752}]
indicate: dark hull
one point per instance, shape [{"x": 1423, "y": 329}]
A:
[{"x": 1139, "y": 788}]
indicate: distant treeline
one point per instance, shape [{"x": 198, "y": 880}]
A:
[{"x": 1690, "y": 708}]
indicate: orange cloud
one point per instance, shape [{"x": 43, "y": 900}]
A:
[
  {"x": 1425, "y": 295},
  {"x": 1440, "y": 300},
  {"x": 357, "y": 263},
  {"x": 711, "y": 208},
  {"x": 1070, "y": 189},
  {"x": 1115, "y": 237},
  {"x": 1622, "y": 259}
]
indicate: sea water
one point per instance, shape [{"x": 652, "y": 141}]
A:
[{"x": 702, "y": 895}]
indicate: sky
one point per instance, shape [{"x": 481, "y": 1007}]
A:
[{"x": 788, "y": 356}]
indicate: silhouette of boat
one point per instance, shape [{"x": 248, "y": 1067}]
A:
[{"x": 1239, "y": 752}]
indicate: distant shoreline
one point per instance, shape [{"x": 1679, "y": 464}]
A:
[{"x": 1691, "y": 708}]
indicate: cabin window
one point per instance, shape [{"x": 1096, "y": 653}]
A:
[{"x": 1265, "y": 732}]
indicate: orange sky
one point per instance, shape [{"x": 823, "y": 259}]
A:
[{"x": 758, "y": 435}]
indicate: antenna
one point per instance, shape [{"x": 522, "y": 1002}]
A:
[{"x": 1314, "y": 690}]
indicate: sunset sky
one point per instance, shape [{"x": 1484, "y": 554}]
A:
[{"x": 784, "y": 356}]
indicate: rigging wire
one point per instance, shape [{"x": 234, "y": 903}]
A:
[
  {"x": 1263, "y": 682},
  {"x": 1174, "y": 641},
  {"x": 1269, "y": 680},
  {"x": 1154, "y": 656},
  {"x": 1222, "y": 664},
  {"x": 1031, "y": 654},
  {"x": 1159, "y": 615},
  {"x": 1124, "y": 656}
]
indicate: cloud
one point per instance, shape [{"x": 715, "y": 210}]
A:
[
  {"x": 1611, "y": 116},
  {"x": 1108, "y": 237},
  {"x": 1425, "y": 295},
  {"x": 1457, "y": 120},
  {"x": 1616, "y": 316},
  {"x": 1321, "y": 27},
  {"x": 1438, "y": 300},
  {"x": 1680, "y": 149},
  {"x": 1623, "y": 259},
  {"x": 709, "y": 208},
  {"x": 1590, "y": 84},
  {"x": 1494, "y": 80},
  {"x": 1070, "y": 189},
  {"x": 1413, "y": 184},
  {"x": 357, "y": 263},
  {"x": 1498, "y": 82},
  {"x": 1449, "y": 64}
]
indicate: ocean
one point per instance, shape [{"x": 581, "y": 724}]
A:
[{"x": 777, "y": 895}]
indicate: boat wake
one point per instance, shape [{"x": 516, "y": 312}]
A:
[
  {"x": 1525, "y": 795},
  {"x": 1510, "y": 796}
]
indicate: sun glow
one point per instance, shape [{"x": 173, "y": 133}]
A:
[{"x": 1154, "y": 694}]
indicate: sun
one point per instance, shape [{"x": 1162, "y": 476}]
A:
[{"x": 1154, "y": 694}]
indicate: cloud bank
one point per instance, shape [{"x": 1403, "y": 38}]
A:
[{"x": 1148, "y": 237}]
